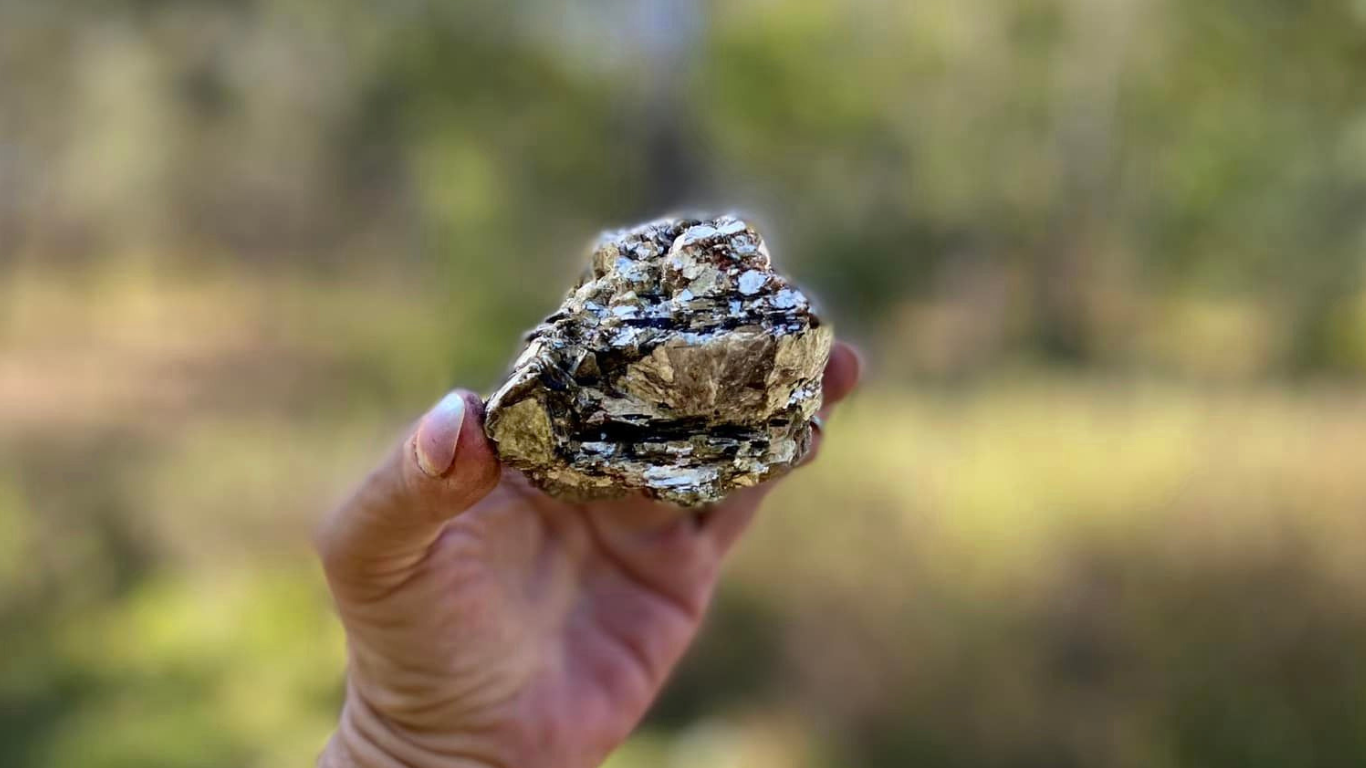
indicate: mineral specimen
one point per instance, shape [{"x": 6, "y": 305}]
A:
[{"x": 682, "y": 366}]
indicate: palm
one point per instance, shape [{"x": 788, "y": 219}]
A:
[
  {"x": 544, "y": 628},
  {"x": 491, "y": 625}
]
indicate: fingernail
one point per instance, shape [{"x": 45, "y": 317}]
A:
[{"x": 438, "y": 435}]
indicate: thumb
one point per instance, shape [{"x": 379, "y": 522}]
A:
[{"x": 441, "y": 469}]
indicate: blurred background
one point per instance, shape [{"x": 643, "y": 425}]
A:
[{"x": 1102, "y": 502}]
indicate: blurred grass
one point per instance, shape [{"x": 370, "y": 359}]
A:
[{"x": 1037, "y": 568}]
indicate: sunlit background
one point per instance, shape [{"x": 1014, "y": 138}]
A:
[{"x": 1102, "y": 502}]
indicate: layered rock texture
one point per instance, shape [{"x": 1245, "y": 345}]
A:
[{"x": 682, "y": 367}]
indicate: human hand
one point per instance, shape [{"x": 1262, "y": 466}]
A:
[{"x": 489, "y": 625}]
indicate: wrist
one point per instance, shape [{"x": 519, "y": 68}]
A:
[
  {"x": 364, "y": 740},
  {"x": 348, "y": 748},
  {"x": 337, "y": 755}
]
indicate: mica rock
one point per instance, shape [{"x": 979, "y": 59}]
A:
[{"x": 682, "y": 367}]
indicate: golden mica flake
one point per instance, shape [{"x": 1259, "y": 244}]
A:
[{"x": 682, "y": 367}]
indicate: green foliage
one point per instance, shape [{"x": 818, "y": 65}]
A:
[{"x": 1101, "y": 157}]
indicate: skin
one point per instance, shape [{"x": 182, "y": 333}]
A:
[{"x": 490, "y": 625}]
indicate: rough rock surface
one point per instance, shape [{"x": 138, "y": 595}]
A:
[{"x": 682, "y": 366}]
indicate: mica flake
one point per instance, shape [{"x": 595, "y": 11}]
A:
[{"x": 682, "y": 367}]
